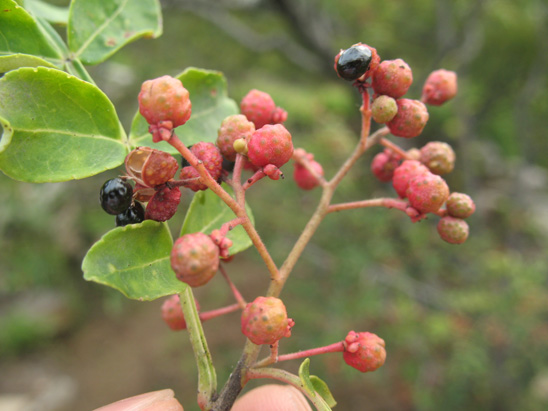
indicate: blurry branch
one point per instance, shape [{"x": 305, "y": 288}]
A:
[
  {"x": 215, "y": 13},
  {"x": 533, "y": 85}
]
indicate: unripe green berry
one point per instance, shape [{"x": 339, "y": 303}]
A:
[
  {"x": 453, "y": 230},
  {"x": 460, "y": 205},
  {"x": 438, "y": 156},
  {"x": 383, "y": 109},
  {"x": 233, "y": 128}
]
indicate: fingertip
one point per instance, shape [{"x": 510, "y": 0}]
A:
[
  {"x": 163, "y": 400},
  {"x": 273, "y": 397}
]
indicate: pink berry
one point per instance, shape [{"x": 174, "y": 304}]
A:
[
  {"x": 264, "y": 321},
  {"x": 165, "y": 99},
  {"x": 270, "y": 144},
  {"x": 212, "y": 159},
  {"x": 384, "y": 109},
  {"x": 304, "y": 178},
  {"x": 257, "y": 106},
  {"x": 172, "y": 313},
  {"x": 460, "y": 205},
  {"x": 383, "y": 166},
  {"x": 233, "y": 128},
  {"x": 150, "y": 167},
  {"x": 195, "y": 259},
  {"x": 427, "y": 192},
  {"x": 404, "y": 173},
  {"x": 392, "y": 78},
  {"x": 453, "y": 230},
  {"x": 439, "y": 157},
  {"x": 411, "y": 118},
  {"x": 440, "y": 86},
  {"x": 364, "y": 351},
  {"x": 279, "y": 116},
  {"x": 163, "y": 204}
]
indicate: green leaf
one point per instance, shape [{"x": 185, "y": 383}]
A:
[
  {"x": 210, "y": 106},
  {"x": 49, "y": 12},
  {"x": 15, "y": 61},
  {"x": 321, "y": 388},
  {"x": 99, "y": 28},
  {"x": 208, "y": 212},
  {"x": 56, "y": 127},
  {"x": 21, "y": 34},
  {"x": 134, "y": 260},
  {"x": 304, "y": 376}
]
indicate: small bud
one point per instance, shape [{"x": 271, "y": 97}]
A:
[
  {"x": 240, "y": 146},
  {"x": 440, "y": 86},
  {"x": 364, "y": 351}
]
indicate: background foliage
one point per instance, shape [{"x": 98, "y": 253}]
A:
[{"x": 465, "y": 325}]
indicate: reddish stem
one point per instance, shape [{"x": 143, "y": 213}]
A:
[
  {"x": 208, "y": 315},
  {"x": 395, "y": 148},
  {"x": 241, "y": 302},
  {"x": 259, "y": 174},
  {"x": 230, "y": 225},
  {"x": 396, "y": 203},
  {"x": 336, "y": 347}
]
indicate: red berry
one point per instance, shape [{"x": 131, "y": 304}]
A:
[
  {"x": 270, "y": 144},
  {"x": 211, "y": 157},
  {"x": 233, "y": 128},
  {"x": 440, "y": 86},
  {"x": 165, "y": 99},
  {"x": 150, "y": 167},
  {"x": 304, "y": 178},
  {"x": 410, "y": 120},
  {"x": 453, "y": 230},
  {"x": 460, "y": 205},
  {"x": 258, "y": 106},
  {"x": 383, "y": 166},
  {"x": 364, "y": 351},
  {"x": 384, "y": 109},
  {"x": 404, "y": 173},
  {"x": 439, "y": 157},
  {"x": 264, "y": 321},
  {"x": 427, "y": 192},
  {"x": 172, "y": 313},
  {"x": 195, "y": 259},
  {"x": 163, "y": 204},
  {"x": 279, "y": 116},
  {"x": 392, "y": 78}
]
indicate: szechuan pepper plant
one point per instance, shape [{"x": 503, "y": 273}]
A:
[{"x": 58, "y": 126}]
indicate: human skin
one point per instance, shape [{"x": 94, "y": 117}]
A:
[{"x": 271, "y": 397}]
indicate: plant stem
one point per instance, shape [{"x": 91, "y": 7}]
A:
[{"x": 336, "y": 347}]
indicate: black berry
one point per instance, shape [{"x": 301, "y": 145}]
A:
[
  {"x": 354, "y": 62},
  {"x": 133, "y": 215},
  {"x": 115, "y": 196}
]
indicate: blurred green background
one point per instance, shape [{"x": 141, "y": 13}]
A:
[{"x": 466, "y": 327}]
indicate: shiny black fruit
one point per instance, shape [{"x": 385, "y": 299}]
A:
[{"x": 115, "y": 196}]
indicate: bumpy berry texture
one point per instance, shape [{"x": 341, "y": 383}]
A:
[
  {"x": 439, "y": 87},
  {"x": 257, "y": 106},
  {"x": 404, "y": 173},
  {"x": 383, "y": 166},
  {"x": 172, "y": 313},
  {"x": 264, "y": 321},
  {"x": 212, "y": 159},
  {"x": 460, "y": 205},
  {"x": 279, "y": 116},
  {"x": 115, "y": 196},
  {"x": 411, "y": 118},
  {"x": 384, "y": 109},
  {"x": 163, "y": 205},
  {"x": 270, "y": 144},
  {"x": 364, "y": 351},
  {"x": 453, "y": 230},
  {"x": 133, "y": 215},
  {"x": 165, "y": 99},
  {"x": 150, "y": 167},
  {"x": 392, "y": 78},
  {"x": 427, "y": 192},
  {"x": 232, "y": 128},
  {"x": 304, "y": 178},
  {"x": 195, "y": 259},
  {"x": 438, "y": 156}
]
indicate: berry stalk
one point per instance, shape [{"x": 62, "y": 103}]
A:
[{"x": 336, "y": 347}]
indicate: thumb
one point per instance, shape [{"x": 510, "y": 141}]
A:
[
  {"x": 163, "y": 400},
  {"x": 272, "y": 397}
]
